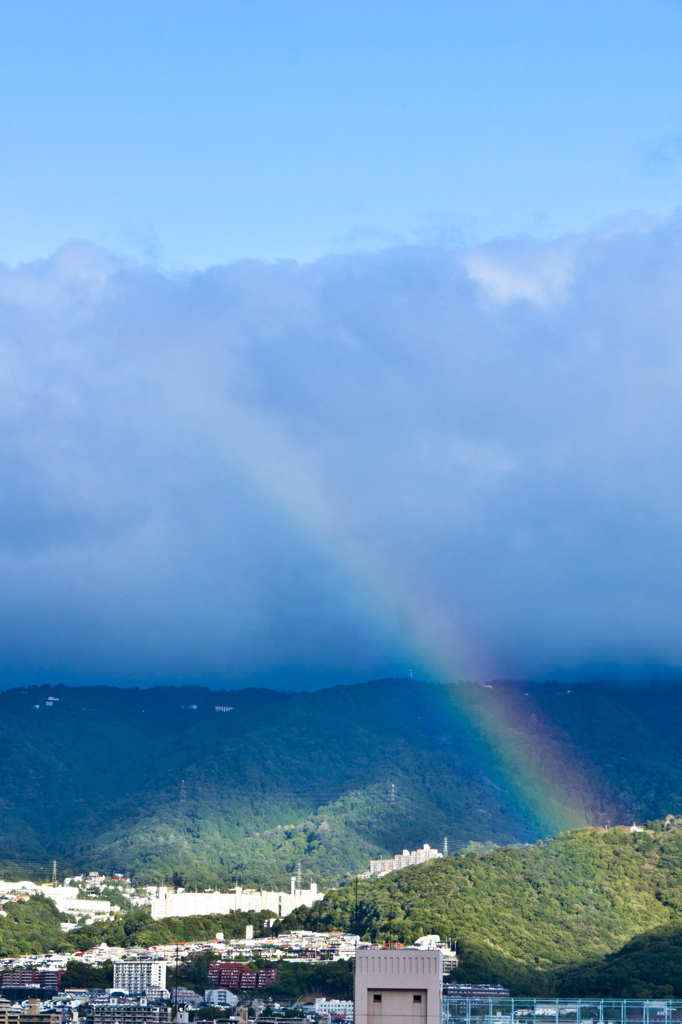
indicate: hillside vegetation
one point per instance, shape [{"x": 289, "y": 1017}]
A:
[
  {"x": 95, "y": 779},
  {"x": 34, "y": 927},
  {"x": 590, "y": 911}
]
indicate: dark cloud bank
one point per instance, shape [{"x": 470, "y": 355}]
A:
[{"x": 284, "y": 472}]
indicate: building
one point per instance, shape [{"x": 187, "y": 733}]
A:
[
  {"x": 450, "y": 961},
  {"x": 114, "y": 1012},
  {"x": 68, "y": 902},
  {"x": 220, "y": 997},
  {"x": 473, "y": 991},
  {"x": 187, "y": 904},
  {"x": 24, "y": 978},
  {"x": 8, "y": 1013},
  {"x": 5, "y": 1008},
  {"x": 237, "y": 976},
  {"x": 398, "y": 986},
  {"x": 335, "y": 1008},
  {"x": 187, "y": 997},
  {"x": 83, "y": 908},
  {"x": 169, "y": 903},
  {"x": 140, "y": 976},
  {"x": 31, "y": 1015},
  {"x": 266, "y": 976},
  {"x": 404, "y": 860}
]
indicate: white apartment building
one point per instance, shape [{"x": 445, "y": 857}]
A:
[
  {"x": 398, "y": 986},
  {"x": 335, "y": 1007},
  {"x": 185, "y": 904},
  {"x": 135, "y": 976},
  {"x": 404, "y": 860},
  {"x": 220, "y": 997}
]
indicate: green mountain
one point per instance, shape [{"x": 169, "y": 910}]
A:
[
  {"x": 650, "y": 966},
  {"x": 95, "y": 777},
  {"x": 590, "y": 912}
]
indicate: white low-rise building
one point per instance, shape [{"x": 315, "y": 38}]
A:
[{"x": 335, "y": 1007}]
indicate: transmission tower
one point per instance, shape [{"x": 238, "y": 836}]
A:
[
  {"x": 183, "y": 792},
  {"x": 392, "y": 793},
  {"x": 445, "y": 847},
  {"x": 299, "y": 884},
  {"x": 54, "y": 873}
]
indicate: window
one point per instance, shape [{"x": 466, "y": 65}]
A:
[
  {"x": 377, "y": 998},
  {"x": 417, "y": 999}
]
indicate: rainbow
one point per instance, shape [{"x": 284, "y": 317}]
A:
[{"x": 545, "y": 777}]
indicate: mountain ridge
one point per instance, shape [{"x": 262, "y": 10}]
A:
[{"x": 94, "y": 777}]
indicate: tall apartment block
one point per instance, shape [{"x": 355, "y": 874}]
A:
[{"x": 140, "y": 976}]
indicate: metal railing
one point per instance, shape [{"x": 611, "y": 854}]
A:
[{"x": 481, "y": 1010}]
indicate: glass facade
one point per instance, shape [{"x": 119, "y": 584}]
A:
[{"x": 479, "y": 1010}]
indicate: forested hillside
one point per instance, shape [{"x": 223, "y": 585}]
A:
[
  {"x": 94, "y": 778},
  {"x": 34, "y": 927},
  {"x": 589, "y": 912}
]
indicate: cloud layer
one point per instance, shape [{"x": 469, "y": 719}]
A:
[{"x": 464, "y": 462}]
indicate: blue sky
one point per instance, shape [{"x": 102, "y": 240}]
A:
[
  {"x": 339, "y": 340},
  {"x": 194, "y": 134}
]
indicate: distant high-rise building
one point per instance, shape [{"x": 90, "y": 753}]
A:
[{"x": 140, "y": 976}]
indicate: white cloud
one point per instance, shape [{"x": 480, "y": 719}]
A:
[{"x": 539, "y": 272}]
